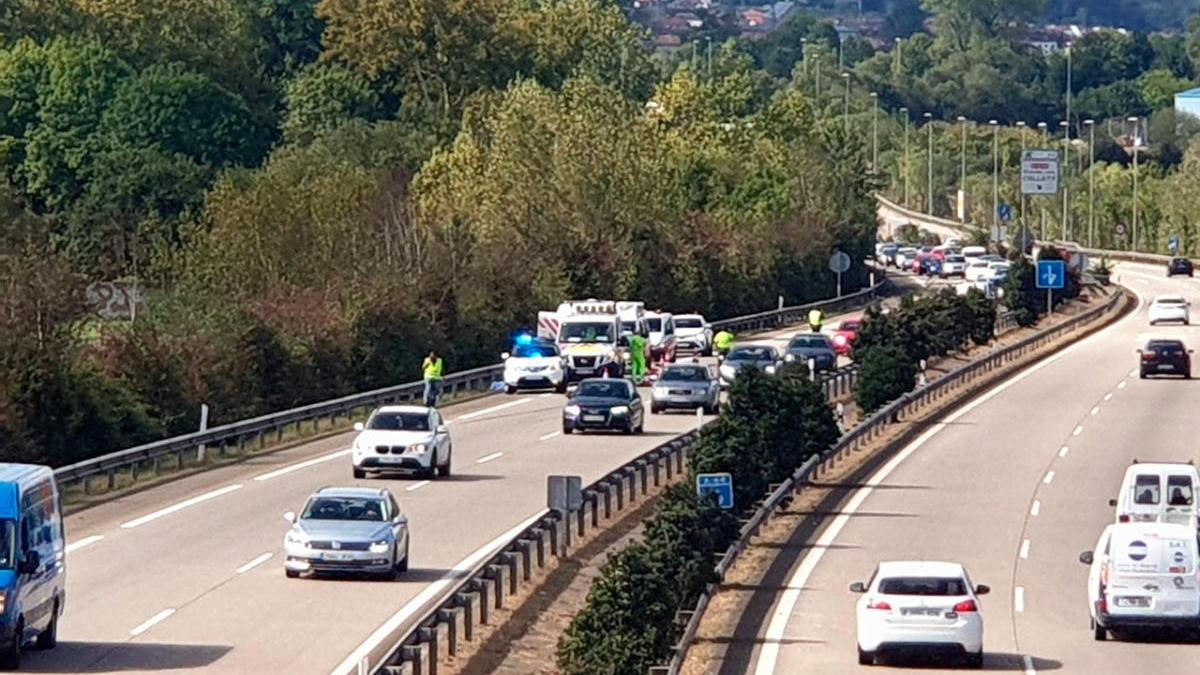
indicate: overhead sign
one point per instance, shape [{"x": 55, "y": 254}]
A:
[
  {"x": 1051, "y": 274},
  {"x": 1039, "y": 172},
  {"x": 1005, "y": 212},
  {"x": 839, "y": 262},
  {"x": 720, "y": 484}
]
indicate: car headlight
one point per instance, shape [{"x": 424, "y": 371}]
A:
[
  {"x": 660, "y": 391},
  {"x": 727, "y": 370},
  {"x": 770, "y": 370},
  {"x": 417, "y": 448},
  {"x": 789, "y": 358},
  {"x": 625, "y": 356},
  {"x": 571, "y": 410},
  {"x": 381, "y": 546},
  {"x": 620, "y": 410},
  {"x": 294, "y": 537}
]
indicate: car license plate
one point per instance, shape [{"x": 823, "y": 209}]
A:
[
  {"x": 338, "y": 556},
  {"x": 593, "y": 418},
  {"x": 1165, "y": 366},
  {"x": 585, "y": 371},
  {"x": 1132, "y": 601},
  {"x": 920, "y": 611},
  {"x": 391, "y": 460},
  {"x": 675, "y": 392}
]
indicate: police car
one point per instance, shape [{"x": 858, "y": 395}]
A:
[{"x": 534, "y": 364}]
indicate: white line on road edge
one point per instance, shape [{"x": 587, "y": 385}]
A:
[
  {"x": 485, "y": 411},
  {"x": 549, "y": 436},
  {"x": 1063, "y": 452},
  {"x": 431, "y": 592},
  {"x": 84, "y": 543},
  {"x": 1096, "y": 410},
  {"x": 416, "y": 486},
  {"x": 1019, "y": 598},
  {"x": 1049, "y": 477},
  {"x": 1025, "y": 549},
  {"x": 180, "y": 506},
  {"x": 150, "y": 623},
  {"x": 769, "y": 654},
  {"x": 488, "y": 458},
  {"x": 1108, "y": 396},
  {"x": 1078, "y": 430},
  {"x": 303, "y": 465},
  {"x": 254, "y": 563},
  {"x": 1036, "y": 508}
]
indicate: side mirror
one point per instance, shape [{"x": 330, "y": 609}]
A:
[
  {"x": 290, "y": 517},
  {"x": 1112, "y": 502},
  {"x": 858, "y": 587},
  {"x": 359, "y": 426},
  {"x": 31, "y": 562},
  {"x": 982, "y": 589},
  {"x": 1086, "y": 558},
  {"x": 443, "y": 429},
  {"x": 504, "y": 356},
  {"x": 400, "y": 519}
]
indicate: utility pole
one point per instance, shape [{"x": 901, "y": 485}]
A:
[
  {"x": 1137, "y": 142},
  {"x": 929, "y": 185},
  {"x": 1043, "y": 127},
  {"x": 875, "y": 132},
  {"x": 1091, "y": 125},
  {"x": 962, "y": 172},
  {"x": 904, "y": 111},
  {"x": 1020, "y": 192},
  {"x": 1066, "y": 171},
  {"x": 846, "y": 106},
  {"x": 995, "y": 125},
  {"x": 1068, "y": 84}
]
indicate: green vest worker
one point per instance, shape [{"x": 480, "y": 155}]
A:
[
  {"x": 431, "y": 369},
  {"x": 722, "y": 341},
  {"x": 637, "y": 357},
  {"x": 815, "y": 320}
]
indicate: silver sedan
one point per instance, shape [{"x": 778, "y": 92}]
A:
[{"x": 687, "y": 386}]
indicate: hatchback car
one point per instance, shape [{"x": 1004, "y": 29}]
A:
[
  {"x": 604, "y": 403},
  {"x": 815, "y": 346},
  {"x": 920, "y": 605},
  {"x": 402, "y": 438},
  {"x": 347, "y": 529},
  {"x": 845, "y": 335},
  {"x": 1169, "y": 308},
  {"x": 693, "y": 333},
  {"x": 1165, "y": 357},
  {"x": 1179, "y": 266},
  {"x": 765, "y": 358},
  {"x": 686, "y": 386},
  {"x": 953, "y": 266}
]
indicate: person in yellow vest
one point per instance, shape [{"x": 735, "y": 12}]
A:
[
  {"x": 722, "y": 341},
  {"x": 815, "y": 319},
  {"x": 431, "y": 370}
]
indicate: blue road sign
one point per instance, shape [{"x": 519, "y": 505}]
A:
[
  {"x": 720, "y": 484},
  {"x": 1173, "y": 244},
  {"x": 1051, "y": 274},
  {"x": 1005, "y": 212}
]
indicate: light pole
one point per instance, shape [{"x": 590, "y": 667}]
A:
[
  {"x": 1137, "y": 142},
  {"x": 846, "y": 106},
  {"x": 1066, "y": 171},
  {"x": 875, "y": 132},
  {"x": 804, "y": 56},
  {"x": 962, "y": 172},
  {"x": 708, "y": 39},
  {"x": 899, "y": 57},
  {"x": 929, "y": 185},
  {"x": 1091, "y": 125},
  {"x": 904, "y": 111},
  {"x": 1043, "y": 127},
  {"x": 995, "y": 125},
  {"x": 1020, "y": 192},
  {"x": 818, "y": 66},
  {"x": 1068, "y": 84}
]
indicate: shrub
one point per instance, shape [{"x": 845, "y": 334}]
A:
[{"x": 887, "y": 373}]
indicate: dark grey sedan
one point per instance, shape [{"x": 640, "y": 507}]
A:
[
  {"x": 815, "y": 346},
  {"x": 686, "y": 386},
  {"x": 763, "y": 357}
]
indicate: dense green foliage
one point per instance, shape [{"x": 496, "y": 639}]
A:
[{"x": 769, "y": 427}]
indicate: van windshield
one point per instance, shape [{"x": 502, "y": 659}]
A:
[
  {"x": 8, "y": 549},
  {"x": 586, "y": 332}
]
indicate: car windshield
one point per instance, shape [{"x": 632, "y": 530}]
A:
[
  {"x": 955, "y": 259},
  {"x": 1146, "y": 490},
  {"x": 345, "y": 508},
  {"x": 1170, "y": 301},
  {"x": 1165, "y": 346},
  {"x": 8, "y": 549},
  {"x": 750, "y": 354},
  {"x": 654, "y": 325},
  {"x": 586, "y": 332},
  {"x": 614, "y": 389},
  {"x": 535, "y": 351},
  {"x": 390, "y": 421},
  {"x": 685, "y": 374},
  {"x": 809, "y": 342},
  {"x": 852, "y": 326},
  {"x": 686, "y": 322},
  {"x": 923, "y": 586}
]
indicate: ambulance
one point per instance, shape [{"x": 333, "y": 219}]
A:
[{"x": 588, "y": 334}]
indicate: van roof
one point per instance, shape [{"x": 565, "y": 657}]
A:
[
  {"x": 1161, "y": 467},
  {"x": 20, "y": 473}
]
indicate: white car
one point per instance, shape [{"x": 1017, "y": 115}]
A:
[
  {"x": 973, "y": 253},
  {"x": 904, "y": 257},
  {"x": 1169, "y": 308},
  {"x": 953, "y": 266},
  {"x": 920, "y": 604},
  {"x": 693, "y": 333},
  {"x": 534, "y": 364},
  {"x": 977, "y": 269},
  {"x": 402, "y": 438}
]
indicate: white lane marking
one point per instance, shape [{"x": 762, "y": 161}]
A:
[
  {"x": 1049, "y": 477},
  {"x": 768, "y": 657},
  {"x": 1108, "y": 396},
  {"x": 84, "y": 543},
  {"x": 1096, "y": 410},
  {"x": 303, "y": 465},
  {"x": 1025, "y": 549},
  {"x": 416, "y": 486},
  {"x": 1063, "y": 452},
  {"x": 1029, "y": 669},
  {"x": 488, "y": 458},
  {"x": 432, "y": 591},
  {"x": 150, "y": 623},
  {"x": 180, "y": 506},
  {"x": 1078, "y": 430},
  {"x": 1019, "y": 598},
  {"x": 1133, "y": 372},
  {"x": 1122, "y": 385},
  {"x": 1036, "y": 508},
  {"x": 495, "y": 408},
  {"x": 549, "y": 436},
  {"x": 254, "y": 563},
  {"x": 546, "y": 395}
]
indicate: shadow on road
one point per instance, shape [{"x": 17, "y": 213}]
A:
[
  {"x": 117, "y": 657},
  {"x": 993, "y": 661}
]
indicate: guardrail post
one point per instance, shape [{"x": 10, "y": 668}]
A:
[
  {"x": 430, "y": 637},
  {"x": 450, "y": 618},
  {"x": 644, "y": 471},
  {"x": 497, "y": 573},
  {"x": 469, "y": 601},
  {"x": 481, "y": 586},
  {"x": 607, "y": 499},
  {"x": 510, "y": 561},
  {"x": 414, "y": 656},
  {"x": 112, "y": 479},
  {"x": 619, "y": 484}
]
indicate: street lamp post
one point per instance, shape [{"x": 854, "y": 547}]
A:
[
  {"x": 904, "y": 111},
  {"x": 929, "y": 184},
  {"x": 804, "y": 57},
  {"x": 1091, "y": 125},
  {"x": 995, "y": 125},
  {"x": 875, "y": 132},
  {"x": 846, "y": 105},
  {"x": 1068, "y": 84},
  {"x": 709, "y": 41},
  {"x": 962, "y": 172},
  {"x": 1020, "y": 192},
  {"x": 1137, "y": 142},
  {"x": 1066, "y": 171},
  {"x": 1043, "y": 127}
]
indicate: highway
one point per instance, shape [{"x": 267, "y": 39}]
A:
[
  {"x": 1013, "y": 485},
  {"x": 187, "y": 576}
]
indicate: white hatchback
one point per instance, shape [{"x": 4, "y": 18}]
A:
[
  {"x": 921, "y": 605},
  {"x": 1169, "y": 308}
]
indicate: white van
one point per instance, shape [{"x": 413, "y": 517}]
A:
[
  {"x": 973, "y": 253},
  {"x": 1143, "y": 575},
  {"x": 1158, "y": 492}
]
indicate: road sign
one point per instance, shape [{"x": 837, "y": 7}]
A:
[
  {"x": 1005, "y": 212},
  {"x": 1051, "y": 274},
  {"x": 720, "y": 484},
  {"x": 839, "y": 262},
  {"x": 1120, "y": 229},
  {"x": 1039, "y": 172},
  {"x": 1173, "y": 244}
]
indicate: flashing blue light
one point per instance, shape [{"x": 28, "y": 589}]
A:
[{"x": 525, "y": 339}]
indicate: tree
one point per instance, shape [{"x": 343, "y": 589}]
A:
[
  {"x": 291, "y": 32},
  {"x": 323, "y": 97},
  {"x": 887, "y": 373},
  {"x": 904, "y": 18},
  {"x": 957, "y": 22}
]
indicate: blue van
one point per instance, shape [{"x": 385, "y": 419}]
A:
[{"x": 33, "y": 572}]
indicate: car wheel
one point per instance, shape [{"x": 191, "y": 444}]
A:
[
  {"x": 48, "y": 639},
  {"x": 568, "y": 430},
  {"x": 403, "y": 565},
  {"x": 509, "y": 389},
  {"x": 444, "y": 470},
  {"x": 1099, "y": 633},
  {"x": 10, "y": 656},
  {"x": 975, "y": 661},
  {"x": 641, "y": 427},
  {"x": 712, "y": 409},
  {"x": 292, "y": 574},
  {"x": 628, "y": 428},
  {"x": 654, "y": 410},
  {"x": 562, "y": 386},
  {"x": 359, "y": 473},
  {"x": 1142, "y": 376},
  {"x": 865, "y": 658},
  {"x": 431, "y": 472}
]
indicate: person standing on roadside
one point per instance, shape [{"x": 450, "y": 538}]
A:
[
  {"x": 816, "y": 319},
  {"x": 431, "y": 370}
]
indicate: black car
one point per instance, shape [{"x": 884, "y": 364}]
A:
[
  {"x": 815, "y": 346},
  {"x": 604, "y": 403},
  {"x": 1165, "y": 357},
  {"x": 762, "y": 357},
  {"x": 1179, "y": 266}
]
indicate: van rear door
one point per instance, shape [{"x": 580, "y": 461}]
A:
[{"x": 1152, "y": 575}]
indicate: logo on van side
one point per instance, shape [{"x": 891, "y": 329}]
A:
[{"x": 1138, "y": 550}]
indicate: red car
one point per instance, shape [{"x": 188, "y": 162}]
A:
[{"x": 845, "y": 335}]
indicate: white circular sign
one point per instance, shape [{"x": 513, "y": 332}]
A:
[{"x": 839, "y": 262}]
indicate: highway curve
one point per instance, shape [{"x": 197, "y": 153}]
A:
[{"x": 1014, "y": 485}]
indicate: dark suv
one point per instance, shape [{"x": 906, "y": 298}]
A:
[
  {"x": 1179, "y": 266},
  {"x": 1165, "y": 357}
]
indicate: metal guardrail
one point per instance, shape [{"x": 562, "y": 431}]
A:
[{"x": 864, "y": 432}]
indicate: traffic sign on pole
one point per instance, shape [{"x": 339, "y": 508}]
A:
[
  {"x": 1005, "y": 212},
  {"x": 720, "y": 484},
  {"x": 1120, "y": 229},
  {"x": 1051, "y": 274},
  {"x": 1039, "y": 172},
  {"x": 839, "y": 262}
]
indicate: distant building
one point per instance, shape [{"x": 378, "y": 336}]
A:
[{"x": 1188, "y": 102}]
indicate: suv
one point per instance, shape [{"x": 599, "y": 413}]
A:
[
  {"x": 347, "y": 529},
  {"x": 402, "y": 438},
  {"x": 1179, "y": 266},
  {"x": 1165, "y": 357}
]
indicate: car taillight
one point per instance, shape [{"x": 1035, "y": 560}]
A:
[
  {"x": 879, "y": 604},
  {"x": 1103, "y": 578},
  {"x": 1149, "y": 356},
  {"x": 1102, "y": 605},
  {"x": 1123, "y": 519},
  {"x": 966, "y": 606}
]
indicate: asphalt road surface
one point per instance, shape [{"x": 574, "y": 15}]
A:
[{"x": 1014, "y": 486}]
